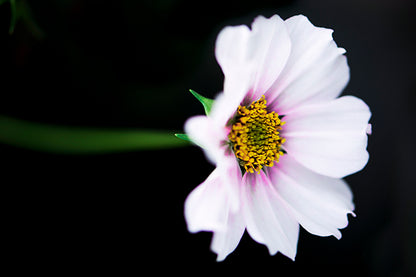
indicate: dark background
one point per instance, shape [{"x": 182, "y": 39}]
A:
[{"x": 129, "y": 64}]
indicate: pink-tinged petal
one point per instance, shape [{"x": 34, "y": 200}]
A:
[
  {"x": 207, "y": 205},
  {"x": 225, "y": 241},
  {"x": 267, "y": 217},
  {"x": 329, "y": 138},
  {"x": 319, "y": 203},
  {"x": 214, "y": 206},
  {"x": 316, "y": 69},
  {"x": 369, "y": 129},
  {"x": 232, "y": 178},
  {"x": 204, "y": 132}
]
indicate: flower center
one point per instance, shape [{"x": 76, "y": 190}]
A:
[{"x": 255, "y": 136}]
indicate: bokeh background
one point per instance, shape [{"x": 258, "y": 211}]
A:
[{"x": 129, "y": 64}]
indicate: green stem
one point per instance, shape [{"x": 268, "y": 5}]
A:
[{"x": 71, "y": 140}]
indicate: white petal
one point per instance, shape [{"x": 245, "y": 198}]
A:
[
  {"x": 225, "y": 106},
  {"x": 231, "y": 49},
  {"x": 225, "y": 241},
  {"x": 204, "y": 132},
  {"x": 251, "y": 61},
  {"x": 319, "y": 203},
  {"x": 329, "y": 138},
  {"x": 206, "y": 206},
  {"x": 269, "y": 48},
  {"x": 267, "y": 217},
  {"x": 316, "y": 69}
]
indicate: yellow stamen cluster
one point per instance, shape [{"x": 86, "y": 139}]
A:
[{"x": 255, "y": 136}]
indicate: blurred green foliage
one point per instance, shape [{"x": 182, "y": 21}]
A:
[
  {"x": 20, "y": 11},
  {"x": 13, "y": 14}
]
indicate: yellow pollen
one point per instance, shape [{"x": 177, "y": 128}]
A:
[{"x": 255, "y": 136}]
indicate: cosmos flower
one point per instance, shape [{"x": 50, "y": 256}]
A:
[{"x": 280, "y": 138}]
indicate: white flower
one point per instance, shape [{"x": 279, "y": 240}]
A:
[{"x": 279, "y": 137}]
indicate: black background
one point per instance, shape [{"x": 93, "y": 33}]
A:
[{"x": 129, "y": 64}]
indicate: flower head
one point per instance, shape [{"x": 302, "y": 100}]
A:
[{"x": 279, "y": 136}]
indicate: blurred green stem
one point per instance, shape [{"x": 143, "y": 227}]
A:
[
  {"x": 71, "y": 140},
  {"x": 13, "y": 16}
]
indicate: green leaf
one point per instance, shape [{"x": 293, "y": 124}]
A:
[
  {"x": 72, "y": 140},
  {"x": 183, "y": 137},
  {"x": 206, "y": 102}
]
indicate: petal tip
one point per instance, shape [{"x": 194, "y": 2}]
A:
[
  {"x": 338, "y": 235},
  {"x": 369, "y": 129}
]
